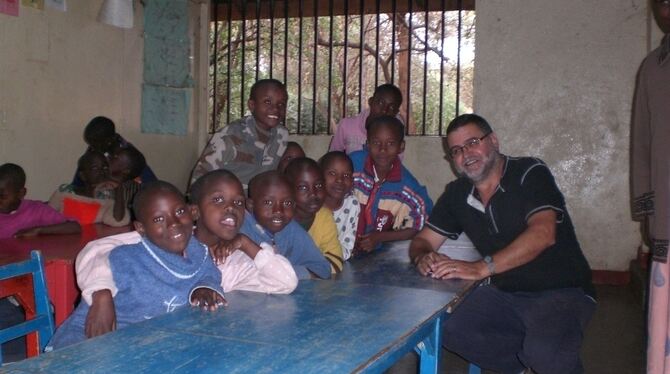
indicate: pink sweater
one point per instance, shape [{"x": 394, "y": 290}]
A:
[
  {"x": 351, "y": 134},
  {"x": 29, "y": 214}
]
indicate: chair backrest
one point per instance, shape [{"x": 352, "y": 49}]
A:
[{"x": 43, "y": 322}]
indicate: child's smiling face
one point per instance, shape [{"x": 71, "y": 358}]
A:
[
  {"x": 166, "y": 220},
  {"x": 273, "y": 205},
  {"x": 221, "y": 208},
  {"x": 339, "y": 179},
  {"x": 268, "y": 106}
]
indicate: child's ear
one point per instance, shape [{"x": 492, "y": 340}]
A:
[
  {"x": 250, "y": 204},
  {"x": 402, "y": 146},
  {"x": 22, "y": 193},
  {"x": 139, "y": 227},
  {"x": 195, "y": 212},
  {"x": 251, "y": 104}
]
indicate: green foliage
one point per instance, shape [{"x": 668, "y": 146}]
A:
[{"x": 320, "y": 92}]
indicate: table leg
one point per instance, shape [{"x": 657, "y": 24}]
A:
[
  {"x": 62, "y": 287},
  {"x": 429, "y": 350}
]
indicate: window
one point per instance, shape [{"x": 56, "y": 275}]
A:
[{"x": 315, "y": 47}]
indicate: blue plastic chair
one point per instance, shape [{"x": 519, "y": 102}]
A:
[{"x": 43, "y": 322}]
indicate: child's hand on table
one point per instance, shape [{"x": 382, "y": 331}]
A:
[
  {"x": 33, "y": 231},
  {"x": 207, "y": 299},
  {"x": 367, "y": 242}
]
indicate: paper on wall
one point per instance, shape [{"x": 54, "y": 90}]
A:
[
  {"x": 56, "y": 4},
  {"x": 9, "y": 7},
  {"x": 117, "y": 13},
  {"x": 37, "y": 4}
]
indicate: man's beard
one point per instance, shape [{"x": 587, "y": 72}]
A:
[{"x": 476, "y": 176}]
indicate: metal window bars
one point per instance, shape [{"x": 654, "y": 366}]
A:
[{"x": 342, "y": 50}]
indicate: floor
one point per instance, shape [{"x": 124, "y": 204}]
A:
[{"x": 614, "y": 341}]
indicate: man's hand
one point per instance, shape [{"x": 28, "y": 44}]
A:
[
  {"x": 451, "y": 269},
  {"x": 427, "y": 261},
  {"x": 207, "y": 299},
  {"x": 101, "y": 317},
  {"x": 423, "y": 250}
]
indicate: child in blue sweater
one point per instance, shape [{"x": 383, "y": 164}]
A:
[
  {"x": 165, "y": 270},
  {"x": 272, "y": 203}
]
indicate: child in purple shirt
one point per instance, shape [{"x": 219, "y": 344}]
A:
[
  {"x": 351, "y": 132},
  {"x": 22, "y": 217}
]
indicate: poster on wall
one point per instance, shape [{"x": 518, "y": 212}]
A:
[
  {"x": 37, "y": 4},
  {"x": 56, "y": 4},
  {"x": 9, "y": 7},
  {"x": 166, "y": 62},
  {"x": 165, "y": 109},
  {"x": 167, "y": 44},
  {"x": 166, "y": 93}
]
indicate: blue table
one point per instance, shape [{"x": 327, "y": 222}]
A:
[
  {"x": 391, "y": 266},
  {"x": 352, "y": 324}
]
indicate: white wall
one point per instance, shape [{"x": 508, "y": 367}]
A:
[
  {"x": 556, "y": 80},
  {"x": 60, "y": 69}
]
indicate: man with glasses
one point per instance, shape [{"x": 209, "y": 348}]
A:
[
  {"x": 650, "y": 181},
  {"x": 537, "y": 297}
]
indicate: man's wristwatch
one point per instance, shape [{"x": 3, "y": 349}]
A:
[{"x": 488, "y": 260}]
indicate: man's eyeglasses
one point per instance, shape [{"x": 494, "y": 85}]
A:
[{"x": 472, "y": 143}]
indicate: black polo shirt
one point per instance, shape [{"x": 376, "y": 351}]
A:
[{"x": 526, "y": 187}]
